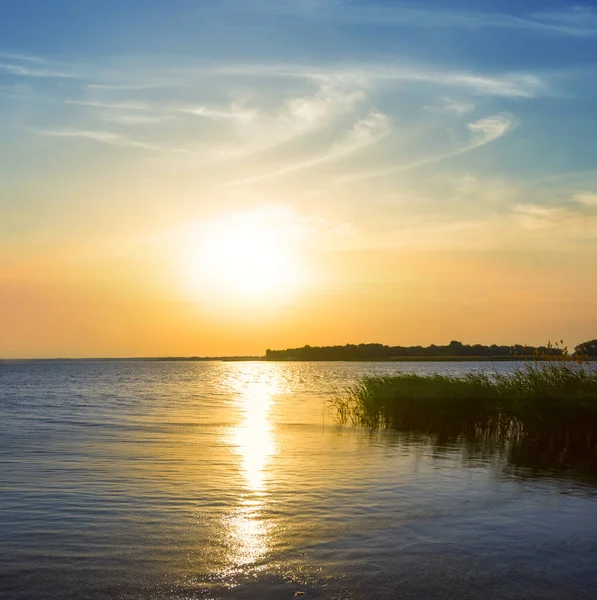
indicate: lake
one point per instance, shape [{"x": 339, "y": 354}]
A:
[{"x": 186, "y": 480}]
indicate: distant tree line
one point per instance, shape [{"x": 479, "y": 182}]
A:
[{"x": 453, "y": 349}]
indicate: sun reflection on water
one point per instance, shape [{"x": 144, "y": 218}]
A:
[
  {"x": 253, "y": 438},
  {"x": 255, "y": 387}
]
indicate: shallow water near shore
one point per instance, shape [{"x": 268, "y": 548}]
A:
[{"x": 231, "y": 480}]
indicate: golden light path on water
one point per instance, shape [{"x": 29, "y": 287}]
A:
[{"x": 253, "y": 441}]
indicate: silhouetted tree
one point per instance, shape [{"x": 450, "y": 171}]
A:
[{"x": 587, "y": 348}]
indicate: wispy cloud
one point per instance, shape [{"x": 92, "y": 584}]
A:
[
  {"x": 568, "y": 23},
  {"x": 490, "y": 128},
  {"x": 450, "y": 105},
  {"x": 506, "y": 85},
  {"x": 578, "y": 16},
  {"x": 364, "y": 133},
  {"x": 221, "y": 114},
  {"x": 109, "y": 137},
  {"x": 312, "y": 113},
  {"x": 123, "y": 86},
  {"x": 586, "y": 199},
  {"x": 135, "y": 119},
  {"x": 484, "y": 132},
  {"x": 114, "y": 105},
  {"x": 561, "y": 219},
  {"x": 334, "y": 97},
  {"x": 292, "y": 118},
  {"x": 511, "y": 85},
  {"x": 26, "y": 71},
  {"x": 21, "y": 57}
]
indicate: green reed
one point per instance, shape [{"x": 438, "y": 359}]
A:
[{"x": 550, "y": 406}]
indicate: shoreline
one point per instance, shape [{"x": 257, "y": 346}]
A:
[{"x": 288, "y": 360}]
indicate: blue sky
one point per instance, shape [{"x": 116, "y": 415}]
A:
[
  {"x": 379, "y": 126},
  {"x": 530, "y": 64},
  {"x": 552, "y": 41}
]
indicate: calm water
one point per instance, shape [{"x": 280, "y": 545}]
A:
[{"x": 230, "y": 480}]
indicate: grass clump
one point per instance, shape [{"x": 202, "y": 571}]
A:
[
  {"x": 550, "y": 406},
  {"x": 414, "y": 402}
]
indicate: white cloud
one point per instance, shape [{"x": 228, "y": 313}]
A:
[
  {"x": 507, "y": 85},
  {"x": 535, "y": 210},
  {"x": 237, "y": 114},
  {"x": 333, "y": 98},
  {"x": 291, "y": 118},
  {"x": 310, "y": 113},
  {"x": 484, "y": 132},
  {"x": 108, "y": 137},
  {"x": 561, "y": 219},
  {"x": 490, "y": 128},
  {"x": 114, "y": 105},
  {"x": 124, "y": 86},
  {"x": 365, "y": 132},
  {"x": 510, "y": 85},
  {"x": 576, "y": 17},
  {"x": 132, "y": 119},
  {"x": 586, "y": 199},
  {"x": 458, "y": 107},
  {"x": 25, "y": 71},
  {"x": 570, "y": 22},
  {"x": 339, "y": 93},
  {"x": 22, "y": 57}
]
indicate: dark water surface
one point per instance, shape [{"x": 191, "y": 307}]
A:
[{"x": 230, "y": 480}]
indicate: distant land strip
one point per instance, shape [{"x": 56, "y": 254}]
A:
[{"x": 454, "y": 351}]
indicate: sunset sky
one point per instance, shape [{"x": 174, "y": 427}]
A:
[{"x": 194, "y": 177}]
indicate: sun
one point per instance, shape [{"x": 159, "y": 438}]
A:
[
  {"x": 248, "y": 260},
  {"x": 244, "y": 259}
]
